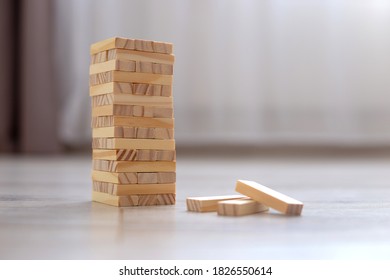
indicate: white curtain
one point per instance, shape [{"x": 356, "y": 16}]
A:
[{"x": 248, "y": 71}]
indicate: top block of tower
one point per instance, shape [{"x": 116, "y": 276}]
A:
[{"x": 132, "y": 44}]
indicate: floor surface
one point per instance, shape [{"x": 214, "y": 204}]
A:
[{"x": 46, "y": 211}]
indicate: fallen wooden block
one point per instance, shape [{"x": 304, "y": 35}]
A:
[
  {"x": 129, "y": 77},
  {"x": 240, "y": 207},
  {"x": 130, "y": 88},
  {"x": 131, "y": 44},
  {"x": 131, "y": 189},
  {"x": 269, "y": 197},
  {"x": 132, "y": 144},
  {"x": 134, "y": 200},
  {"x": 208, "y": 203},
  {"x": 131, "y": 99}
]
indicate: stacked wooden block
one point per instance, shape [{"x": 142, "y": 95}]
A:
[{"x": 134, "y": 158}]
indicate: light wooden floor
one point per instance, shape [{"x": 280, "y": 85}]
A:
[{"x": 46, "y": 212}]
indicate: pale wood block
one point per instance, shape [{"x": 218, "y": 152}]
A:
[
  {"x": 131, "y": 99},
  {"x": 269, "y": 197},
  {"x": 131, "y": 166},
  {"x": 115, "y": 131},
  {"x": 166, "y": 177},
  {"x": 163, "y": 155},
  {"x": 155, "y": 68},
  {"x": 134, "y": 155},
  {"x": 132, "y": 144},
  {"x": 129, "y": 155},
  {"x": 148, "y": 178},
  {"x": 133, "y": 132},
  {"x": 148, "y": 155},
  {"x": 131, "y": 66},
  {"x": 144, "y": 67},
  {"x": 131, "y": 88},
  {"x": 134, "y": 200},
  {"x": 129, "y": 77},
  {"x": 240, "y": 207},
  {"x": 117, "y": 178},
  {"x": 131, "y": 44},
  {"x": 208, "y": 203},
  {"x": 105, "y": 121},
  {"x": 120, "y": 54},
  {"x": 110, "y": 65},
  {"x": 113, "y": 110},
  {"x": 132, "y": 111},
  {"x": 159, "y": 133},
  {"x": 99, "y": 57},
  {"x": 131, "y": 189}
]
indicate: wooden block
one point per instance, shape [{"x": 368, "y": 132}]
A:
[
  {"x": 110, "y": 65},
  {"x": 120, "y": 54},
  {"x": 131, "y": 88},
  {"x": 131, "y": 189},
  {"x": 131, "y": 66},
  {"x": 147, "y": 178},
  {"x": 130, "y": 99},
  {"x": 166, "y": 177},
  {"x": 131, "y": 44},
  {"x": 134, "y": 155},
  {"x": 99, "y": 57},
  {"x": 105, "y": 121},
  {"x": 269, "y": 197},
  {"x": 133, "y": 132},
  {"x": 129, "y": 77},
  {"x": 240, "y": 207},
  {"x": 132, "y": 111},
  {"x": 132, "y": 144},
  {"x": 134, "y": 200},
  {"x": 134, "y": 177},
  {"x": 130, "y": 166},
  {"x": 208, "y": 203},
  {"x": 117, "y": 178}
]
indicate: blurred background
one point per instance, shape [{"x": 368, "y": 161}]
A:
[{"x": 304, "y": 73}]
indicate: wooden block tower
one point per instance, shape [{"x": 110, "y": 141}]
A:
[{"x": 134, "y": 157}]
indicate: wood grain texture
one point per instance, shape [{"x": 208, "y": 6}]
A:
[
  {"x": 129, "y": 77},
  {"x": 134, "y": 200},
  {"x": 131, "y": 189},
  {"x": 121, "y": 54},
  {"x": 131, "y": 88},
  {"x": 131, "y": 166},
  {"x": 134, "y": 155},
  {"x": 133, "y": 132},
  {"x": 208, "y": 203},
  {"x": 134, "y": 177},
  {"x": 129, "y": 55},
  {"x": 132, "y": 44},
  {"x": 131, "y": 66},
  {"x": 131, "y": 99},
  {"x": 105, "y": 121},
  {"x": 132, "y": 111},
  {"x": 110, "y": 65},
  {"x": 269, "y": 197},
  {"x": 240, "y": 207},
  {"x": 132, "y": 144}
]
